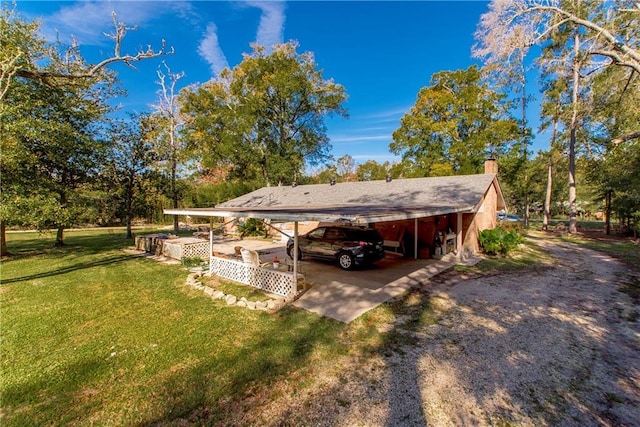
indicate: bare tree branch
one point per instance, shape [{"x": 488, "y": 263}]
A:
[
  {"x": 625, "y": 138},
  {"x": 71, "y": 58},
  {"x": 631, "y": 56}
]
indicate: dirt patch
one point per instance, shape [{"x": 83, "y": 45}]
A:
[{"x": 553, "y": 346}]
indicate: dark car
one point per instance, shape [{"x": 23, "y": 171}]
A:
[{"x": 347, "y": 245}]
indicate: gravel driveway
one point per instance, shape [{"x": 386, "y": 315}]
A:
[{"x": 556, "y": 346}]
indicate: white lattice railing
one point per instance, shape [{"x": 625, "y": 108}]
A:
[
  {"x": 196, "y": 250},
  {"x": 276, "y": 282},
  {"x": 181, "y": 249}
]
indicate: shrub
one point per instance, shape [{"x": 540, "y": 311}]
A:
[
  {"x": 192, "y": 261},
  {"x": 499, "y": 241},
  {"x": 252, "y": 227}
]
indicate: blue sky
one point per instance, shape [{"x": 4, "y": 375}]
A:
[{"x": 383, "y": 53}]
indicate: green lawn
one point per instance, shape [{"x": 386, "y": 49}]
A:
[{"x": 93, "y": 335}]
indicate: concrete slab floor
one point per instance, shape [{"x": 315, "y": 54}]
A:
[{"x": 346, "y": 295}]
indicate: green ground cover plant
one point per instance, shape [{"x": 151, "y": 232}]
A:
[
  {"x": 91, "y": 334},
  {"x": 499, "y": 241},
  {"x": 94, "y": 335},
  {"x": 528, "y": 255}
]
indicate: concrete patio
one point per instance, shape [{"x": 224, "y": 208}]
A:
[{"x": 346, "y": 295}]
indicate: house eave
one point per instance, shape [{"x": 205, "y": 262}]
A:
[{"x": 356, "y": 215}]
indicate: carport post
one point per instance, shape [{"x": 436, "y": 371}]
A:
[
  {"x": 295, "y": 258},
  {"x": 459, "y": 235},
  {"x": 210, "y": 246},
  {"x": 415, "y": 239}
]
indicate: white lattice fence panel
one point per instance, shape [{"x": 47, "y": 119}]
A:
[
  {"x": 196, "y": 250},
  {"x": 276, "y": 282}
]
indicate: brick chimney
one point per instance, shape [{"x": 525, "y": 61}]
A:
[{"x": 491, "y": 166}]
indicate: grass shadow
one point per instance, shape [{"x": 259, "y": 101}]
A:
[{"x": 80, "y": 266}]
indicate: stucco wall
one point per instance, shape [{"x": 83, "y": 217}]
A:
[{"x": 484, "y": 218}]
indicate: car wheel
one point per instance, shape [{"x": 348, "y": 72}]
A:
[
  {"x": 346, "y": 261},
  {"x": 290, "y": 253}
]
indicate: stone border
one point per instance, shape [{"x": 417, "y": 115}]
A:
[{"x": 271, "y": 305}]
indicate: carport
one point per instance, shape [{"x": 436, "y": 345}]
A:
[
  {"x": 461, "y": 206},
  {"x": 338, "y": 294}
]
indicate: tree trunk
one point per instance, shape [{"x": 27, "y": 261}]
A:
[
  {"x": 525, "y": 145},
  {"x": 572, "y": 140},
  {"x": 129, "y": 203},
  {"x": 527, "y": 209},
  {"x": 174, "y": 192},
  {"x": 60, "y": 232},
  {"x": 607, "y": 213},
  {"x": 3, "y": 236},
  {"x": 547, "y": 198},
  {"x": 60, "y": 236}
]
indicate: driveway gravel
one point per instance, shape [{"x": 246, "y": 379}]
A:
[{"x": 557, "y": 345}]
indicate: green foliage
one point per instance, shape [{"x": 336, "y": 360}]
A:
[
  {"x": 499, "y": 240},
  {"x": 50, "y": 152},
  {"x": 454, "y": 124},
  {"x": 192, "y": 261},
  {"x": 204, "y": 194},
  {"x": 265, "y": 117},
  {"x": 252, "y": 227},
  {"x": 372, "y": 170}
]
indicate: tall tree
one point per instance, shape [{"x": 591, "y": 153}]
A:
[
  {"x": 50, "y": 98},
  {"x": 595, "y": 35},
  {"x": 346, "y": 167},
  {"x": 265, "y": 118},
  {"x": 615, "y": 166},
  {"x": 169, "y": 142},
  {"x": 130, "y": 157},
  {"x": 52, "y": 146},
  {"x": 506, "y": 67},
  {"x": 372, "y": 170},
  {"x": 455, "y": 124}
]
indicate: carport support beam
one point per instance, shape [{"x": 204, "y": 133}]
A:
[
  {"x": 415, "y": 238},
  {"x": 459, "y": 235},
  {"x": 295, "y": 258},
  {"x": 211, "y": 246}
]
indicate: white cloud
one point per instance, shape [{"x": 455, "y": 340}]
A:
[
  {"x": 388, "y": 115},
  {"x": 210, "y": 50},
  {"x": 271, "y": 27},
  {"x": 344, "y": 138},
  {"x": 88, "y": 21}
]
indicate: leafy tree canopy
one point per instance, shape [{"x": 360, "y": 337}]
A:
[
  {"x": 457, "y": 121},
  {"x": 264, "y": 118}
]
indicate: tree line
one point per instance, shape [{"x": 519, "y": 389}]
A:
[{"x": 67, "y": 159}]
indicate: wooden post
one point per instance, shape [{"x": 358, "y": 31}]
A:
[
  {"x": 295, "y": 258},
  {"x": 210, "y": 246},
  {"x": 415, "y": 239},
  {"x": 459, "y": 234}
]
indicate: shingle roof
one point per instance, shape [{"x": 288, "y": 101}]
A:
[
  {"x": 358, "y": 202},
  {"x": 448, "y": 191}
]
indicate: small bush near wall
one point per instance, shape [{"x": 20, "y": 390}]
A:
[
  {"x": 252, "y": 227},
  {"x": 499, "y": 241}
]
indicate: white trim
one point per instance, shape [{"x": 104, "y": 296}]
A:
[{"x": 321, "y": 214}]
